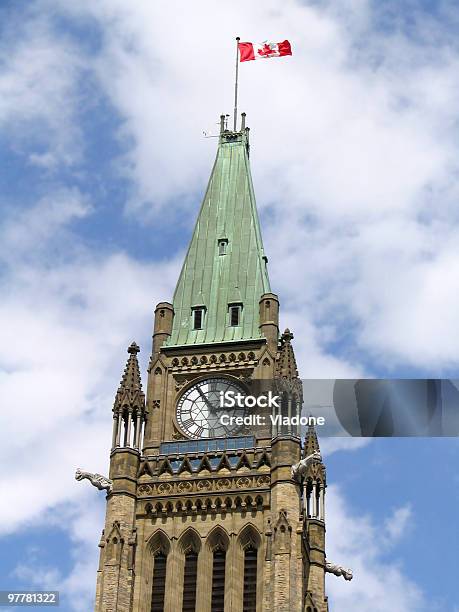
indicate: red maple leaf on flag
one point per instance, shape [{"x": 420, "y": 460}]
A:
[{"x": 266, "y": 51}]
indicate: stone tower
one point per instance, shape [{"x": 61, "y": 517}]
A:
[{"x": 203, "y": 516}]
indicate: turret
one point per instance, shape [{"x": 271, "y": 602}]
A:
[
  {"x": 269, "y": 319},
  {"x": 288, "y": 386},
  {"x": 164, "y": 316},
  {"x": 129, "y": 406},
  {"x": 314, "y": 479},
  {"x": 115, "y": 579},
  {"x": 314, "y": 484},
  {"x": 285, "y": 452}
]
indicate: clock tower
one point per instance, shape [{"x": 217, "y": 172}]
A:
[{"x": 203, "y": 513}]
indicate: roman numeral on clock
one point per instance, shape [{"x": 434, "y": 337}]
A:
[{"x": 199, "y": 431}]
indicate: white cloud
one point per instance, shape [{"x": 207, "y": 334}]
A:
[
  {"x": 333, "y": 445},
  {"x": 67, "y": 316},
  {"x": 359, "y": 543},
  {"x": 29, "y": 231},
  {"x": 397, "y": 524},
  {"x": 64, "y": 337},
  {"x": 45, "y": 578},
  {"x": 313, "y": 361},
  {"x": 80, "y": 522},
  {"x": 39, "y": 79}
]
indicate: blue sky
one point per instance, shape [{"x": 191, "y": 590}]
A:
[{"x": 103, "y": 167}]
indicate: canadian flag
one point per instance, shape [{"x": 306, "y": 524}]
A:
[{"x": 252, "y": 51}]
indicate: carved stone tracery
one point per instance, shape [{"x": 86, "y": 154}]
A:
[
  {"x": 282, "y": 533},
  {"x": 205, "y": 504},
  {"x": 212, "y": 362}
]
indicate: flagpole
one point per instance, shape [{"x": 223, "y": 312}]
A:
[{"x": 236, "y": 81}]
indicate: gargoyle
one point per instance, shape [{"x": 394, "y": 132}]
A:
[
  {"x": 299, "y": 469},
  {"x": 96, "y": 480},
  {"x": 338, "y": 570}
]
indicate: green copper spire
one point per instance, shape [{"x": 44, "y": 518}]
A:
[{"x": 224, "y": 273}]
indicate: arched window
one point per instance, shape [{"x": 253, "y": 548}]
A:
[
  {"x": 190, "y": 575},
  {"x": 160, "y": 547},
  {"x": 189, "y": 546},
  {"x": 218, "y": 581},
  {"x": 249, "y": 540},
  {"x": 159, "y": 583},
  {"x": 217, "y": 544},
  {"x": 250, "y": 579}
]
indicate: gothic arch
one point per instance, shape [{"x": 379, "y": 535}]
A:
[
  {"x": 228, "y": 503},
  {"x": 259, "y": 502},
  {"x": 114, "y": 543},
  {"x": 216, "y": 554},
  {"x": 157, "y": 567},
  {"x": 159, "y": 543},
  {"x": 218, "y": 539},
  {"x": 190, "y": 541},
  {"x": 249, "y": 536},
  {"x": 249, "y": 563},
  {"x": 249, "y": 501}
]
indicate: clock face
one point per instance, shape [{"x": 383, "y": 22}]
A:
[{"x": 199, "y": 409}]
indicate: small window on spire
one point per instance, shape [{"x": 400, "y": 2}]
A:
[
  {"x": 235, "y": 311},
  {"x": 197, "y": 315},
  {"x": 223, "y": 246}
]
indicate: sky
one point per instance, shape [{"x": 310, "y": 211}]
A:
[{"x": 103, "y": 165}]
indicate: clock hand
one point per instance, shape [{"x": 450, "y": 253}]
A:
[{"x": 206, "y": 400}]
